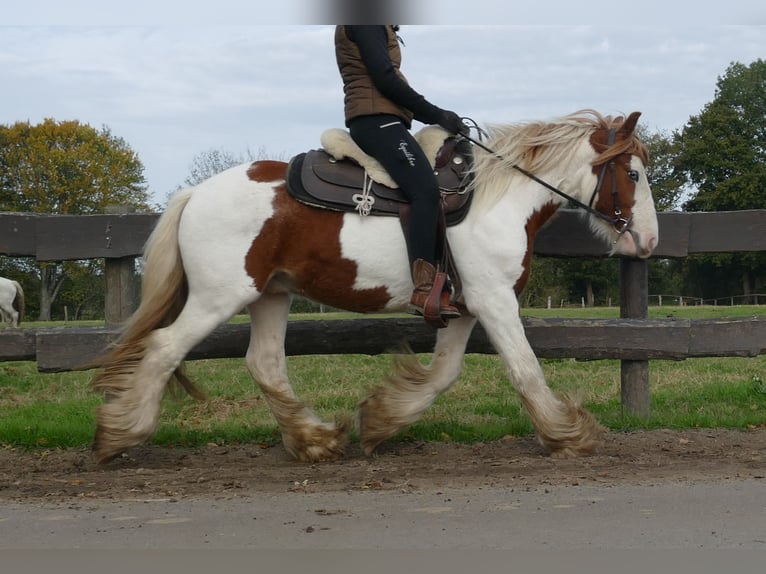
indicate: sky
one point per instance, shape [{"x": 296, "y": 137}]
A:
[{"x": 248, "y": 78}]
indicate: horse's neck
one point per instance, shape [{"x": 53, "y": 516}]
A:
[
  {"x": 517, "y": 214},
  {"x": 526, "y": 196}
]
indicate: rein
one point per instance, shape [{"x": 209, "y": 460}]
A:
[{"x": 619, "y": 223}]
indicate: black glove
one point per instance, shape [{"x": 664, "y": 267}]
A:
[{"x": 451, "y": 122}]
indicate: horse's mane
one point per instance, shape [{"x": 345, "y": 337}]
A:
[{"x": 538, "y": 145}]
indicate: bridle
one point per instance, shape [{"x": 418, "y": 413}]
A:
[{"x": 618, "y": 222}]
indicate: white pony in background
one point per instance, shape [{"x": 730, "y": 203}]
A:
[{"x": 11, "y": 302}]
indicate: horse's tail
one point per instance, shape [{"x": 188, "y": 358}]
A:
[
  {"x": 18, "y": 302},
  {"x": 164, "y": 292}
]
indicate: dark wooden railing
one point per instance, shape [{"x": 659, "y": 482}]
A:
[{"x": 118, "y": 238}]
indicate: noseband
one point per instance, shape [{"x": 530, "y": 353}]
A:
[{"x": 618, "y": 222}]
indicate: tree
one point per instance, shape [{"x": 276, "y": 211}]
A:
[
  {"x": 594, "y": 279},
  {"x": 723, "y": 149},
  {"x": 66, "y": 168},
  {"x": 667, "y": 183},
  {"x": 83, "y": 295},
  {"x": 723, "y": 155},
  {"x": 208, "y": 163},
  {"x": 545, "y": 281}
]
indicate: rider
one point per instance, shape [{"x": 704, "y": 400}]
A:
[{"x": 379, "y": 108}]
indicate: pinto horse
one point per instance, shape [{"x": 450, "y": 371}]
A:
[
  {"x": 240, "y": 240},
  {"x": 11, "y": 302}
]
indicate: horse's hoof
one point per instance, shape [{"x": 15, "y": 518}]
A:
[
  {"x": 318, "y": 444},
  {"x": 368, "y": 443},
  {"x": 102, "y": 453},
  {"x": 583, "y": 438},
  {"x": 373, "y": 431}
]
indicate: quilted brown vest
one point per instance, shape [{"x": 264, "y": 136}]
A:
[{"x": 361, "y": 97}]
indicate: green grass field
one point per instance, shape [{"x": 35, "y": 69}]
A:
[{"x": 57, "y": 410}]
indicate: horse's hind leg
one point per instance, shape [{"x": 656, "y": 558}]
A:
[
  {"x": 413, "y": 387},
  {"x": 130, "y": 414},
  {"x": 304, "y": 435},
  {"x": 9, "y": 315}
]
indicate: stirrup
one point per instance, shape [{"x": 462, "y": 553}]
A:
[
  {"x": 437, "y": 322},
  {"x": 445, "y": 314},
  {"x": 432, "y": 308}
]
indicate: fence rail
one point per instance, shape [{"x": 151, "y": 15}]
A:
[
  {"x": 69, "y": 237},
  {"x": 68, "y": 348},
  {"x": 634, "y": 339}
]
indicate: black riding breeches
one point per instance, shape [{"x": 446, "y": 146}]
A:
[{"x": 385, "y": 138}]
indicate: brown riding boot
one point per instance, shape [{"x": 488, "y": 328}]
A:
[{"x": 428, "y": 296}]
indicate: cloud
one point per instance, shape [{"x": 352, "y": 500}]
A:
[
  {"x": 174, "y": 91},
  {"x": 602, "y": 13}
]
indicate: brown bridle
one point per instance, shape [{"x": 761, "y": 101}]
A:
[{"x": 619, "y": 223}]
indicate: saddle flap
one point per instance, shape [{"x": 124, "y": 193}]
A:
[
  {"x": 348, "y": 174},
  {"x": 327, "y": 169},
  {"x": 322, "y": 174}
]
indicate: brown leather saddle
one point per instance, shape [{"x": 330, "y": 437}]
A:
[{"x": 315, "y": 178}]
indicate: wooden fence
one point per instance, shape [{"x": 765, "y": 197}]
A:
[{"x": 633, "y": 338}]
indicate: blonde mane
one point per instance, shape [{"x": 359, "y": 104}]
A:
[{"x": 538, "y": 145}]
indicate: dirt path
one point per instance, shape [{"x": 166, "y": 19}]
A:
[{"x": 151, "y": 471}]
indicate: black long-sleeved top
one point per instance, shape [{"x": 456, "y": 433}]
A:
[{"x": 373, "y": 48}]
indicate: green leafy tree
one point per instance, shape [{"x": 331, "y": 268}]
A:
[
  {"x": 545, "y": 281},
  {"x": 66, "y": 168},
  {"x": 83, "y": 295},
  {"x": 723, "y": 149},
  {"x": 596, "y": 280},
  {"x": 668, "y": 185},
  {"x": 723, "y": 156}
]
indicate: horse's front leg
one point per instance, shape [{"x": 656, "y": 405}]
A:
[
  {"x": 413, "y": 387},
  {"x": 304, "y": 435},
  {"x": 563, "y": 427}
]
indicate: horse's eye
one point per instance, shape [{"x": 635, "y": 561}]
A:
[{"x": 633, "y": 174}]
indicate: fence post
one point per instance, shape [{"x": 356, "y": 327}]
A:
[
  {"x": 634, "y": 304},
  {"x": 121, "y": 282}
]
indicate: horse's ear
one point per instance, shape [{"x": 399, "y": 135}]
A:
[{"x": 629, "y": 124}]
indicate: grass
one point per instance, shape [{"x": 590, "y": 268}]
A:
[{"x": 57, "y": 410}]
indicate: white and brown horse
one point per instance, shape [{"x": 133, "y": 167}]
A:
[
  {"x": 239, "y": 240},
  {"x": 11, "y": 302}
]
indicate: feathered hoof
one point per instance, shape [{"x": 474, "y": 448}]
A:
[
  {"x": 317, "y": 443},
  {"x": 370, "y": 445},
  {"x": 376, "y": 423},
  {"x": 581, "y": 436},
  {"x": 107, "y": 447},
  {"x": 117, "y": 430}
]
